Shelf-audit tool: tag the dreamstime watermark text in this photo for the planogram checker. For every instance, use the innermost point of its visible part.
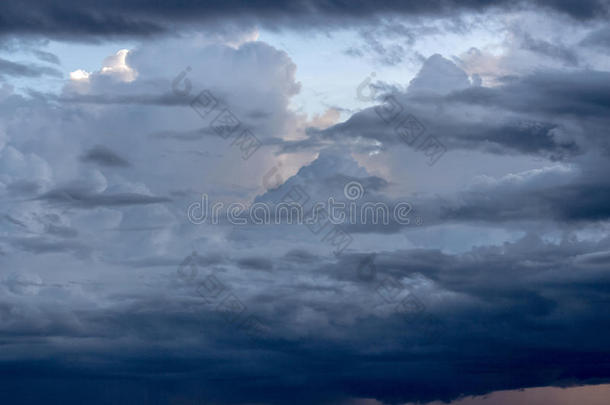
(408, 128)
(350, 212)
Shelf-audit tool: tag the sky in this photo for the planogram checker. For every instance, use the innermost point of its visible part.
(312, 202)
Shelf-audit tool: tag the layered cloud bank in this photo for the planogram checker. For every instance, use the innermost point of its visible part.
(142, 18)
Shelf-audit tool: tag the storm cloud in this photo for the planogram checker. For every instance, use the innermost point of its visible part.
(137, 139)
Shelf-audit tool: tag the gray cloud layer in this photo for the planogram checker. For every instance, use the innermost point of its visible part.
(69, 19)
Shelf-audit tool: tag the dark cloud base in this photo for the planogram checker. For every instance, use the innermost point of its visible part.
(73, 19)
(508, 325)
(303, 374)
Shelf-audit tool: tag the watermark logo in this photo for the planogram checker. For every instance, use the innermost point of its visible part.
(291, 210)
(353, 190)
(221, 298)
(366, 91)
(366, 270)
(406, 302)
(224, 122)
(406, 126)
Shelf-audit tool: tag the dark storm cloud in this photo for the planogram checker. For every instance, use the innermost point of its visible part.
(597, 259)
(495, 304)
(104, 157)
(391, 42)
(572, 195)
(583, 93)
(579, 99)
(523, 313)
(256, 263)
(581, 202)
(599, 38)
(40, 245)
(578, 202)
(388, 55)
(24, 187)
(193, 135)
(80, 198)
(535, 114)
(61, 231)
(502, 136)
(300, 255)
(524, 137)
(161, 99)
(75, 19)
(14, 221)
(556, 51)
(15, 69)
(581, 10)
(202, 261)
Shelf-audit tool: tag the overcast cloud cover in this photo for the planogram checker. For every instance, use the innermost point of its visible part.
(484, 124)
